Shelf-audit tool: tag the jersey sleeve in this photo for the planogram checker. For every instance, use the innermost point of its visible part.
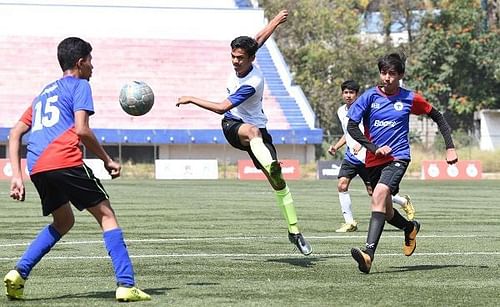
(27, 116)
(242, 93)
(83, 97)
(357, 109)
(420, 105)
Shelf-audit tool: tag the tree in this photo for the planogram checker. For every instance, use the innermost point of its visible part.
(453, 58)
(321, 44)
(397, 13)
(493, 10)
(456, 64)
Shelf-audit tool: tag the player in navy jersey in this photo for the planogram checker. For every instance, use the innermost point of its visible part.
(385, 113)
(58, 120)
(354, 164)
(244, 121)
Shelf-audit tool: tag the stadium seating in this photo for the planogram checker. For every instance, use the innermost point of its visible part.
(171, 67)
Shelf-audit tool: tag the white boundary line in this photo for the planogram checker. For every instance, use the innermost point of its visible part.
(202, 239)
(249, 255)
(241, 255)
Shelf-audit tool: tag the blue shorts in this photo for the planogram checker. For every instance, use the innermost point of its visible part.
(77, 185)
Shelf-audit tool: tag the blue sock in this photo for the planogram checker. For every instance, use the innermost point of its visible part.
(42, 244)
(117, 250)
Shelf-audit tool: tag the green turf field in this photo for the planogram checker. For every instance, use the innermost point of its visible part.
(223, 243)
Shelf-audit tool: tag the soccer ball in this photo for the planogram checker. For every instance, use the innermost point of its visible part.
(136, 98)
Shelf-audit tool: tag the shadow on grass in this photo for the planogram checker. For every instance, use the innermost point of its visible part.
(393, 229)
(305, 262)
(202, 283)
(97, 294)
(395, 269)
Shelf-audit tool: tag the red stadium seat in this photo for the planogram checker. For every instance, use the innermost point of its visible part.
(171, 67)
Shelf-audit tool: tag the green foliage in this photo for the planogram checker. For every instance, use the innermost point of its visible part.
(452, 60)
(325, 155)
(461, 139)
(322, 46)
(456, 64)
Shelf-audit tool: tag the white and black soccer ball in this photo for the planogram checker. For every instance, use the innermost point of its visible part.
(136, 98)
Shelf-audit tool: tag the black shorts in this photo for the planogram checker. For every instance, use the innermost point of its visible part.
(230, 128)
(390, 174)
(350, 170)
(77, 185)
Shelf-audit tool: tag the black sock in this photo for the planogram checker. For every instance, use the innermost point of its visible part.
(400, 222)
(375, 229)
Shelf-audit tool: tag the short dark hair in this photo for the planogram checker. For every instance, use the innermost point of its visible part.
(394, 61)
(246, 43)
(70, 50)
(350, 85)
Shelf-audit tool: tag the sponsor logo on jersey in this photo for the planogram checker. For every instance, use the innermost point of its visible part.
(384, 123)
(398, 106)
(375, 105)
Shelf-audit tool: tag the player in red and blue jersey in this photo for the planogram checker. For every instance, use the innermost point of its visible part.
(354, 163)
(385, 113)
(58, 120)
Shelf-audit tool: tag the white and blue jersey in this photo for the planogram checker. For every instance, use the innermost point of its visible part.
(246, 95)
(387, 121)
(358, 158)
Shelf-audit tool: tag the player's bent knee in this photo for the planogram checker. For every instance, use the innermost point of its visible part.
(254, 132)
(343, 188)
(63, 219)
(103, 212)
(63, 227)
(343, 185)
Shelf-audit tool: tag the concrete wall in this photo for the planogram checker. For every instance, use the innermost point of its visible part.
(224, 152)
(489, 129)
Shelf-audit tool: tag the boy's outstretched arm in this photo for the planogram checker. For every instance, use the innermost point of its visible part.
(268, 30)
(216, 107)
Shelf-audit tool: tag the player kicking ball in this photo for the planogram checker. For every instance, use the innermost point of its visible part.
(244, 122)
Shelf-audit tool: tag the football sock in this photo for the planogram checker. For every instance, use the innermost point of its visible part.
(375, 229)
(400, 222)
(346, 206)
(285, 202)
(396, 199)
(117, 250)
(40, 246)
(261, 152)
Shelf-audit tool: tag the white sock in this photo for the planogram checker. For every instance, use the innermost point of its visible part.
(261, 152)
(346, 206)
(396, 199)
